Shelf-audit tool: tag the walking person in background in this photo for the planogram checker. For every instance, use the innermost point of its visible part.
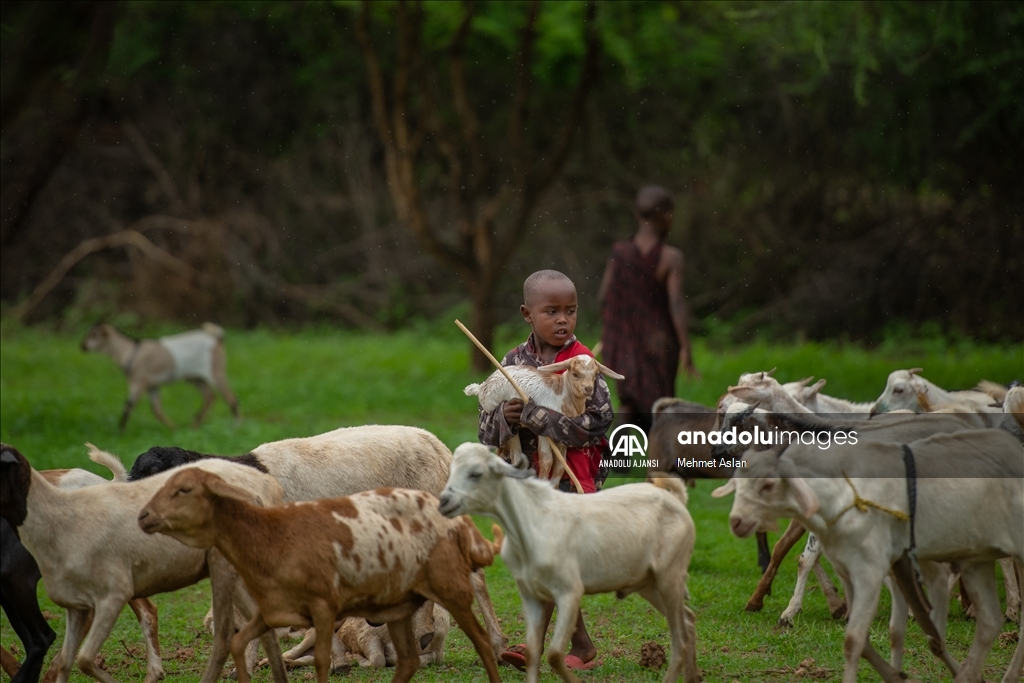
(645, 333)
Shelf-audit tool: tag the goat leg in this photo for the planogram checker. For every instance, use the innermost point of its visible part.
(794, 532)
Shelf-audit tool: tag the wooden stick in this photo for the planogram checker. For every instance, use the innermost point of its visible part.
(522, 395)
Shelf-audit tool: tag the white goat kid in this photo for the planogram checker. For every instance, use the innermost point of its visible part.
(636, 538)
(567, 393)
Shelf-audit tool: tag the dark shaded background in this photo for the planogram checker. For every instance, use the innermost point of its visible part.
(840, 169)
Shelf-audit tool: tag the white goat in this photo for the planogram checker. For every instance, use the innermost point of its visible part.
(197, 356)
(567, 393)
(907, 390)
(93, 556)
(973, 520)
(144, 608)
(636, 538)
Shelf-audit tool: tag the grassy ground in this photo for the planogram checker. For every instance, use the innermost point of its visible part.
(53, 398)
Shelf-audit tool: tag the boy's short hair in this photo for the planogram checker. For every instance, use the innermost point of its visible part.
(652, 201)
(533, 281)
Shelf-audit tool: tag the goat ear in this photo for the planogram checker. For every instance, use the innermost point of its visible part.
(922, 399)
(499, 466)
(745, 394)
(803, 495)
(221, 488)
(608, 372)
(9, 455)
(725, 489)
(815, 388)
(805, 381)
(555, 367)
(914, 371)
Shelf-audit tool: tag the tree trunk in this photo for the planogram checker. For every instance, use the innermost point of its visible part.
(481, 324)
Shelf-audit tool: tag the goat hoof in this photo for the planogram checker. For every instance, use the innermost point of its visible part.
(839, 612)
(754, 606)
(785, 622)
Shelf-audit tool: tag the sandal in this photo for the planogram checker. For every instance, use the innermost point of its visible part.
(577, 664)
(515, 656)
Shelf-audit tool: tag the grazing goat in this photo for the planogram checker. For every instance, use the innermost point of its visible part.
(342, 462)
(668, 456)
(564, 386)
(907, 390)
(969, 491)
(636, 538)
(197, 356)
(93, 556)
(378, 555)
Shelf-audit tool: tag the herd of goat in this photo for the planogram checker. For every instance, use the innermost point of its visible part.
(360, 535)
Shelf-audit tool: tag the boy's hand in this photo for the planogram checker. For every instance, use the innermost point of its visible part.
(513, 411)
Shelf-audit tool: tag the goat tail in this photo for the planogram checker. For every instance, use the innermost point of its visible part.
(108, 460)
(477, 550)
(672, 484)
(472, 389)
(993, 389)
(214, 330)
(499, 538)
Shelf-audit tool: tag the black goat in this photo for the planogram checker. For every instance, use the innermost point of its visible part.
(162, 458)
(19, 575)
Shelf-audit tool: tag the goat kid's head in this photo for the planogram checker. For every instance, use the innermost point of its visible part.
(904, 390)
(15, 479)
(581, 373)
(183, 508)
(474, 480)
(766, 490)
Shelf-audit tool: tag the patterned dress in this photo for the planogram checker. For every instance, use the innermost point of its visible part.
(639, 339)
(585, 435)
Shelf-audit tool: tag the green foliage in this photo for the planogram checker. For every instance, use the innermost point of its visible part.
(54, 397)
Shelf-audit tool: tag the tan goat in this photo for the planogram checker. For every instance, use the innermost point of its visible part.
(378, 555)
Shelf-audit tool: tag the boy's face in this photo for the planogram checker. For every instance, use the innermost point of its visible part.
(552, 312)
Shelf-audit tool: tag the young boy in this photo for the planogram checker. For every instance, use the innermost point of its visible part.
(549, 308)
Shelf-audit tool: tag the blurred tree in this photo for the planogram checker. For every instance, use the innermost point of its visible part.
(52, 66)
(495, 161)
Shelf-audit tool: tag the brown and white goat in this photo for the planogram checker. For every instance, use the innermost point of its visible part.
(378, 555)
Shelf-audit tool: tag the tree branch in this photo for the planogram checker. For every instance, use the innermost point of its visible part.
(152, 162)
(123, 238)
(516, 132)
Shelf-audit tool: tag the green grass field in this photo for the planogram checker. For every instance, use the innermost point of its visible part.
(54, 398)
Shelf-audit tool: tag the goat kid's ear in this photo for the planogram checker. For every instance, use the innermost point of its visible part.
(815, 388)
(555, 367)
(914, 371)
(608, 372)
(725, 489)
